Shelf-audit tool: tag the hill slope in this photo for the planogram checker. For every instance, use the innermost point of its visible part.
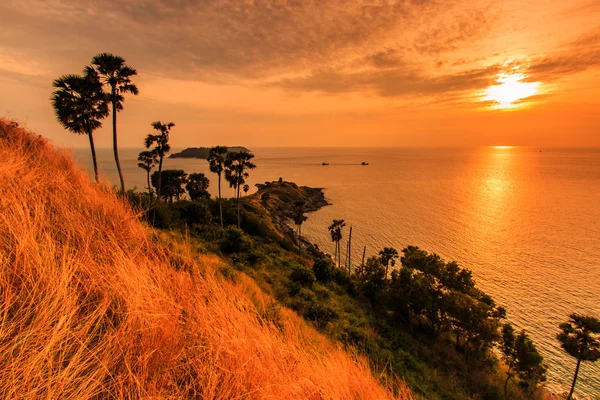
(97, 305)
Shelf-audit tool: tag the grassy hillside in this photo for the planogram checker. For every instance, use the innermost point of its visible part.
(97, 305)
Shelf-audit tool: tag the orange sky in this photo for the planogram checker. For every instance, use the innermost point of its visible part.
(319, 73)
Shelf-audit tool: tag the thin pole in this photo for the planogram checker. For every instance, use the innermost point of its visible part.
(362, 264)
(349, 256)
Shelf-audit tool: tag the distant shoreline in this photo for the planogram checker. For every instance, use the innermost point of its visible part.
(202, 152)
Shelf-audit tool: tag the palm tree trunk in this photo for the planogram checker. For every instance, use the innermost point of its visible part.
(506, 382)
(220, 203)
(148, 179)
(350, 252)
(362, 264)
(574, 379)
(238, 205)
(115, 147)
(91, 137)
(158, 189)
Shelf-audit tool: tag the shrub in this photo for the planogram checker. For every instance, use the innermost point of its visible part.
(324, 270)
(235, 241)
(193, 212)
(303, 276)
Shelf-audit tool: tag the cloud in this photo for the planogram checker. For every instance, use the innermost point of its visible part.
(388, 48)
(240, 38)
(576, 56)
(391, 82)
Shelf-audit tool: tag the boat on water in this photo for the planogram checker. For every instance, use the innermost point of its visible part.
(364, 163)
(325, 163)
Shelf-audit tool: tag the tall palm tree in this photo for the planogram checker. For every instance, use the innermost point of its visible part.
(580, 338)
(117, 77)
(80, 105)
(236, 171)
(299, 216)
(335, 229)
(147, 161)
(161, 146)
(388, 257)
(216, 161)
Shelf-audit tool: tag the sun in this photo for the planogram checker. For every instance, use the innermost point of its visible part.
(510, 90)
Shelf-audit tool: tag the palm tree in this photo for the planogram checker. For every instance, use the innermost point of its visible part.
(299, 216)
(161, 145)
(80, 105)
(147, 161)
(388, 257)
(335, 229)
(580, 339)
(236, 171)
(216, 162)
(246, 189)
(117, 77)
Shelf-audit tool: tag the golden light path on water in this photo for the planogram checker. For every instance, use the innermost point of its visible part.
(510, 90)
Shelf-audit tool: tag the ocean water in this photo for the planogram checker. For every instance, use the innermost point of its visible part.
(526, 221)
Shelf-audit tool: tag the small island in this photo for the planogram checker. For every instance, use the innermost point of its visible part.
(202, 152)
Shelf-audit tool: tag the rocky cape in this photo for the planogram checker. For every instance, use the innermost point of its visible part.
(202, 152)
(282, 199)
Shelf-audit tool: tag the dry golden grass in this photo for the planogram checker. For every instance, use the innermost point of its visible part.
(94, 306)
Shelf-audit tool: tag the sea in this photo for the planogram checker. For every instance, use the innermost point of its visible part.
(524, 220)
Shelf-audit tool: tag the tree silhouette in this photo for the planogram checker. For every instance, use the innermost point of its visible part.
(388, 257)
(522, 358)
(147, 161)
(80, 105)
(299, 216)
(246, 188)
(580, 339)
(172, 181)
(216, 162)
(197, 186)
(335, 230)
(114, 74)
(236, 171)
(161, 145)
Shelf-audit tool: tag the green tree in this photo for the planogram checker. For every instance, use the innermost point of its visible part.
(236, 171)
(216, 161)
(197, 186)
(529, 365)
(580, 339)
(147, 160)
(509, 352)
(116, 76)
(388, 257)
(372, 279)
(171, 183)
(161, 145)
(80, 105)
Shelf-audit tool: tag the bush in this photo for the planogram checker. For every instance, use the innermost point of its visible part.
(324, 270)
(161, 216)
(235, 241)
(302, 276)
(193, 212)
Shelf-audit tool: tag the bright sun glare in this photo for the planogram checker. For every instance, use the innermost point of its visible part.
(510, 90)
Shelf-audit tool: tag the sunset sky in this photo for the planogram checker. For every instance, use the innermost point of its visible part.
(318, 73)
